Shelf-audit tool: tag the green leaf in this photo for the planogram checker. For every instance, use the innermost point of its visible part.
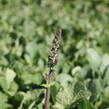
(13, 89)
(58, 106)
(48, 85)
(78, 87)
(96, 88)
(94, 58)
(3, 101)
(85, 104)
(3, 83)
(105, 95)
(69, 94)
(65, 96)
(76, 70)
(64, 79)
(10, 75)
(31, 50)
(82, 103)
(106, 79)
(54, 92)
(105, 62)
(32, 77)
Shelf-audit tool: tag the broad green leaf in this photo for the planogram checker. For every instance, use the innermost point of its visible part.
(105, 95)
(106, 79)
(82, 103)
(69, 95)
(96, 88)
(3, 61)
(65, 96)
(54, 91)
(78, 87)
(94, 58)
(3, 83)
(66, 68)
(58, 106)
(105, 62)
(64, 79)
(85, 104)
(13, 88)
(32, 77)
(76, 70)
(31, 50)
(10, 75)
(3, 101)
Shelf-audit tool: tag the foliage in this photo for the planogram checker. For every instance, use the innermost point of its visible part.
(27, 28)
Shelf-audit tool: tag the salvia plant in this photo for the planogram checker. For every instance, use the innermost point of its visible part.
(52, 61)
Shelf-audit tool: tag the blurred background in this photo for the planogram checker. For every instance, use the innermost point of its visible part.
(27, 28)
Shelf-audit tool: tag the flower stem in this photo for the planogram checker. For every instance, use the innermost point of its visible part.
(47, 94)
